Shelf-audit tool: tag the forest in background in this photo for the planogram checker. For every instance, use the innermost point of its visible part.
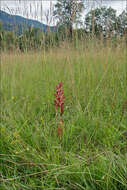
(102, 23)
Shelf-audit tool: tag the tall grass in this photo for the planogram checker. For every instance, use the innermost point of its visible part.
(92, 151)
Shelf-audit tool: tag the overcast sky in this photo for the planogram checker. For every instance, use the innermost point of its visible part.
(38, 9)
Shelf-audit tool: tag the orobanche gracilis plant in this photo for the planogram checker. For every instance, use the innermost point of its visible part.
(59, 104)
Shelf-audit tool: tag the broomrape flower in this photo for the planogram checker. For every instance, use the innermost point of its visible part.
(59, 103)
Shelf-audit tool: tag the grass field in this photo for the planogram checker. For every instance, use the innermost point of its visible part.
(91, 153)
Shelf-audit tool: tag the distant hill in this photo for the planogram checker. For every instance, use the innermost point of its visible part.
(18, 23)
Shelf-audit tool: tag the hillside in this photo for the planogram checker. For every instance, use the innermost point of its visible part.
(18, 23)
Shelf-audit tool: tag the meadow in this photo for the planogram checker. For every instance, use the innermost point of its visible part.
(91, 151)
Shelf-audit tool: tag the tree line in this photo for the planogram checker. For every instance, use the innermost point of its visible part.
(70, 25)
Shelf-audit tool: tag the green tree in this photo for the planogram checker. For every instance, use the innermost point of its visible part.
(68, 13)
(105, 20)
(122, 23)
(1, 36)
(10, 40)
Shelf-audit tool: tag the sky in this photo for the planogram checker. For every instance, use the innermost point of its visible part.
(41, 10)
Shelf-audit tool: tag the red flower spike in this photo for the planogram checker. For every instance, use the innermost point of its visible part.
(59, 103)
